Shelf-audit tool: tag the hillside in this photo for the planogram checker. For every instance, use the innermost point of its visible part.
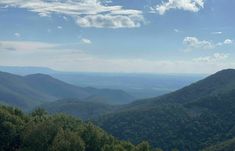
(82, 109)
(42, 132)
(217, 83)
(26, 70)
(192, 118)
(29, 91)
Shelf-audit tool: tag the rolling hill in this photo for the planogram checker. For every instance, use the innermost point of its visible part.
(29, 91)
(191, 118)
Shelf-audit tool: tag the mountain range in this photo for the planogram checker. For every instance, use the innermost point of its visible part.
(141, 85)
(27, 92)
(200, 116)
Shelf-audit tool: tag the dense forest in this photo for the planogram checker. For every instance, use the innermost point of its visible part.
(202, 115)
(42, 132)
(228, 145)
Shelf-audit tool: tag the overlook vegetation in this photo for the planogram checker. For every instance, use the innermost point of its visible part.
(42, 132)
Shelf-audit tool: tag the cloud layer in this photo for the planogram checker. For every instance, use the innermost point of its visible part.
(86, 41)
(194, 43)
(187, 5)
(87, 13)
(214, 58)
(24, 53)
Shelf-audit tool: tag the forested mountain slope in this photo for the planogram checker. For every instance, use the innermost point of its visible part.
(217, 83)
(189, 119)
(228, 145)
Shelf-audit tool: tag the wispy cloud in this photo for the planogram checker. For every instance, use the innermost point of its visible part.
(194, 43)
(86, 41)
(110, 21)
(214, 58)
(187, 5)
(25, 46)
(59, 27)
(17, 35)
(217, 33)
(87, 13)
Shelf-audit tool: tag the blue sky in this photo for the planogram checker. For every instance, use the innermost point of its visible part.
(156, 36)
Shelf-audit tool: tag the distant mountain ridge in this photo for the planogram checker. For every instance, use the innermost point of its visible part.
(26, 70)
(139, 85)
(215, 84)
(29, 91)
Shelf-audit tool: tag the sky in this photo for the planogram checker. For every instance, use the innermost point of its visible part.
(130, 36)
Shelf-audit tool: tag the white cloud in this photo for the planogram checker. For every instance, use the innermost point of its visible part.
(109, 21)
(24, 46)
(17, 35)
(195, 43)
(214, 58)
(187, 5)
(101, 14)
(228, 41)
(86, 41)
(59, 27)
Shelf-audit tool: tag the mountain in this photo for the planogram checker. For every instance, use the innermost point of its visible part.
(217, 83)
(29, 91)
(190, 119)
(82, 109)
(42, 132)
(105, 95)
(26, 70)
(141, 85)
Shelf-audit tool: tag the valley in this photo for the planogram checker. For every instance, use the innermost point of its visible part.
(192, 118)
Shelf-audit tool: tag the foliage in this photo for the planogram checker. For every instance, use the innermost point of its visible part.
(42, 132)
(187, 127)
(228, 145)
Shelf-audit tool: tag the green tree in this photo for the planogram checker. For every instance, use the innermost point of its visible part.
(144, 146)
(67, 141)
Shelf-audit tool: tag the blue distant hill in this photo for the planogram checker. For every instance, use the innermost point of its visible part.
(136, 84)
